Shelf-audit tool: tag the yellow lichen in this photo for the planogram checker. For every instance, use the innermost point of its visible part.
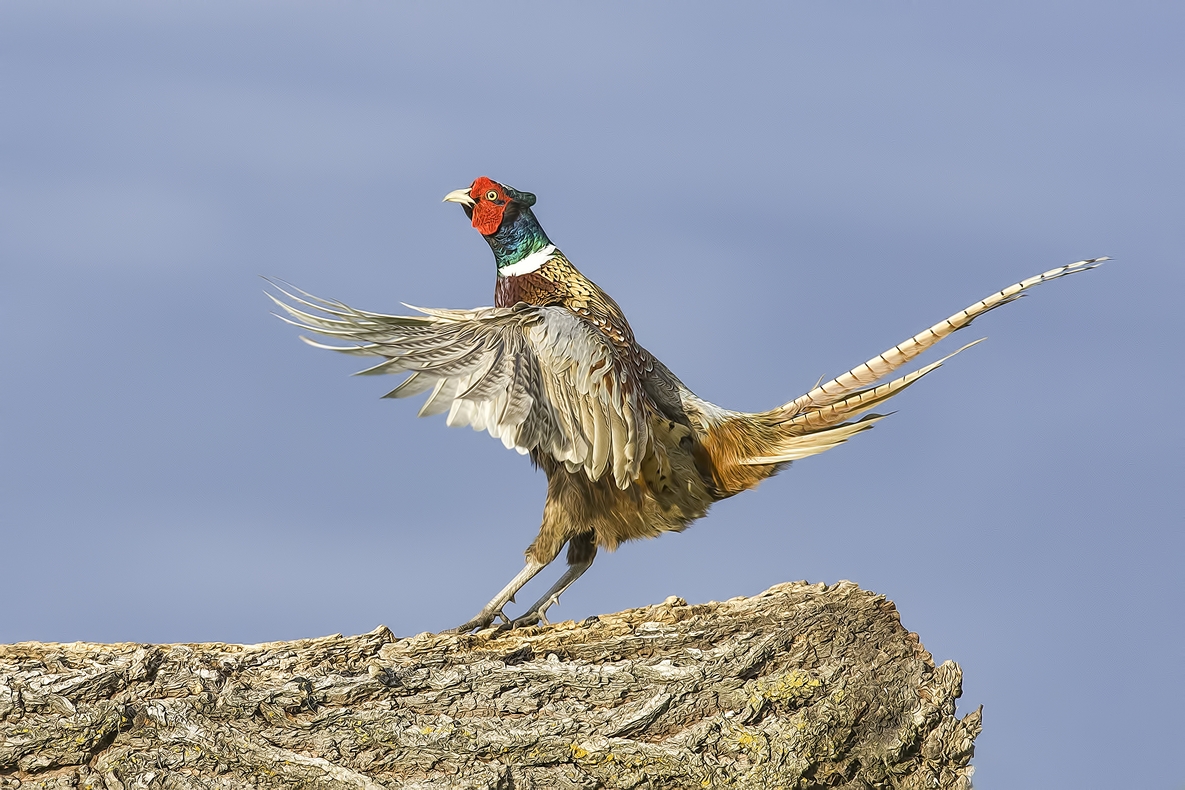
(795, 684)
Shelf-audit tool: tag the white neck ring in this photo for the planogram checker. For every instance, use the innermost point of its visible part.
(528, 264)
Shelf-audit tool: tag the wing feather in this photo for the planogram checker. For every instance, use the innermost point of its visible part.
(538, 378)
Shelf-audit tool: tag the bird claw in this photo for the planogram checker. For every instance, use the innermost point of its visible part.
(483, 621)
(537, 616)
(527, 620)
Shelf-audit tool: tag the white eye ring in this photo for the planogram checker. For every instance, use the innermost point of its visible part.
(491, 195)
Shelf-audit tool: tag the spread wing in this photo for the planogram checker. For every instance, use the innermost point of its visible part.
(538, 378)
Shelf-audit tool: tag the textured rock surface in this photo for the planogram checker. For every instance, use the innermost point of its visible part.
(802, 686)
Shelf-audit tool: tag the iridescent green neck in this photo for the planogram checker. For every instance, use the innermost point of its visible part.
(518, 236)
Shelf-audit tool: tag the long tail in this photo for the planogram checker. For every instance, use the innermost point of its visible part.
(817, 421)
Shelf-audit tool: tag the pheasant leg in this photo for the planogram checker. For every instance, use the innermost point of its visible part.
(538, 611)
(493, 609)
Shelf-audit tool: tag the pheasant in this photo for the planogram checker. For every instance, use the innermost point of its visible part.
(554, 371)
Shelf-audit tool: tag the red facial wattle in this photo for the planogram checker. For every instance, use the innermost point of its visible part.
(487, 213)
(487, 217)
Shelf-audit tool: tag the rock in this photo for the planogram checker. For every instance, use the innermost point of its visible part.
(801, 686)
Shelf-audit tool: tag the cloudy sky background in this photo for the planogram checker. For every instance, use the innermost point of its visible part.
(772, 192)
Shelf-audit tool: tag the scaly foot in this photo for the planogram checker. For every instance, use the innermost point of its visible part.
(493, 609)
(483, 620)
(537, 614)
(527, 620)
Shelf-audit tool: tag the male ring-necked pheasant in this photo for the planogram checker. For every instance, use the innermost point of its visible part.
(554, 371)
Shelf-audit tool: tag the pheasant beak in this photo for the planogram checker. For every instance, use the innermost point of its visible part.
(460, 196)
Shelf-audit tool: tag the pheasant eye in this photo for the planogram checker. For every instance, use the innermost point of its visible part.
(491, 195)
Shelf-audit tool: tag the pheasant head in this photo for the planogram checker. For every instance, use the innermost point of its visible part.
(503, 216)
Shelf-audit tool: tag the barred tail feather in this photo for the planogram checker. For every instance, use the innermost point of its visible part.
(883, 364)
(860, 401)
(821, 429)
(820, 419)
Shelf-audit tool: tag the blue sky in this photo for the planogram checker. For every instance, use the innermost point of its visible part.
(772, 192)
